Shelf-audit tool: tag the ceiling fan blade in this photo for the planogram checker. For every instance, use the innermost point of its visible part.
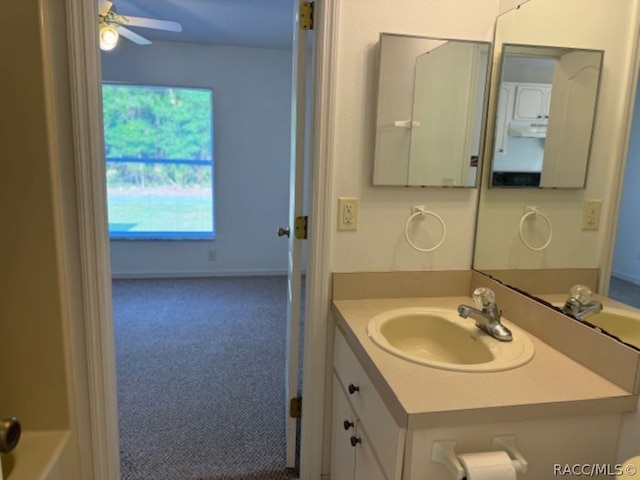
(105, 8)
(150, 23)
(134, 37)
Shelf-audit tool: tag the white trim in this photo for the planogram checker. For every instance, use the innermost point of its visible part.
(635, 279)
(74, 377)
(190, 274)
(73, 351)
(318, 287)
(85, 81)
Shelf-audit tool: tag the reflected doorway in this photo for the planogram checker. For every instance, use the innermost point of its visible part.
(625, 270)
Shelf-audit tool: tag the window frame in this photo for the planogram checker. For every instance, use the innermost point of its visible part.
(164, 234)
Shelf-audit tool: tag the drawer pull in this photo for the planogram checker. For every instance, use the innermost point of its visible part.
(353, 389)
(347, 424)
(355, 440)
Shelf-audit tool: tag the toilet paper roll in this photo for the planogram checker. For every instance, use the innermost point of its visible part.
(488, 466)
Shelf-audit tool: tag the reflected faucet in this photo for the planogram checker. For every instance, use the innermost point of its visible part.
(579, 304)
(487, 315)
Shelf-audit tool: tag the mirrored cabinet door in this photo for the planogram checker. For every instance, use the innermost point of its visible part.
(431, 101)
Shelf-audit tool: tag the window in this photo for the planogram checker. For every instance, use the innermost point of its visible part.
(159, 161)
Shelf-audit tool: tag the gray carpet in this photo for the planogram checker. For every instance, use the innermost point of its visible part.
(200, 373)
(625, 292)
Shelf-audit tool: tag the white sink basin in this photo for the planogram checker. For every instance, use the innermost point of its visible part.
(440, 338)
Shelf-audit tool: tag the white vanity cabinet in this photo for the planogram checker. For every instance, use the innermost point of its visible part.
(367, 443)
(554, 410)
(351, 453)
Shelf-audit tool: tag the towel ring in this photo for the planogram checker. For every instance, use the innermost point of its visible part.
(535, 212)
(423, 212)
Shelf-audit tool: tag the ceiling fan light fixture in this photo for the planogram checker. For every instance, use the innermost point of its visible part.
(108, 37)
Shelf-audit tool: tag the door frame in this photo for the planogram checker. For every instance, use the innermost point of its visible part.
(85, 95)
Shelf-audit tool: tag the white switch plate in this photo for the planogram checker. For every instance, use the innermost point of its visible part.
(591, 214)
(347, 213)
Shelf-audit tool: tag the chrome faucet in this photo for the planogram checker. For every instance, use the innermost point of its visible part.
(579, 304)
(487, 315)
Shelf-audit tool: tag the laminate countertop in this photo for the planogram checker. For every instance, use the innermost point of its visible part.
(550, 385)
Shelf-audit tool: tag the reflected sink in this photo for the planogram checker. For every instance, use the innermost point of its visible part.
(440, 338)
(624, 324)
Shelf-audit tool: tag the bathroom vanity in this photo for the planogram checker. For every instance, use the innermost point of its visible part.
(389, 412)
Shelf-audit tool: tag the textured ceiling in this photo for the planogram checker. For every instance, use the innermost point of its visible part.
(250, 23)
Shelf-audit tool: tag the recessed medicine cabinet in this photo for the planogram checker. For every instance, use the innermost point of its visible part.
(432, 95)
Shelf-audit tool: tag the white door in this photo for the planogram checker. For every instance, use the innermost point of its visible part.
(296, 191)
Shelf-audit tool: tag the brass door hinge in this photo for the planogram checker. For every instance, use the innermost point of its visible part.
(301, 227)
(306, 15)
(295, 407)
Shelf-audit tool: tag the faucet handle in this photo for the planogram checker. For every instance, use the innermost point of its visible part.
(483, 297)
(581, 293)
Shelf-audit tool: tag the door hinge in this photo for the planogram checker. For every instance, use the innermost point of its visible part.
(301, 227)
(306, 15)
(295, 407)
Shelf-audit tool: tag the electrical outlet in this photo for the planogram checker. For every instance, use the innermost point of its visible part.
(347, 213)
(212, 255)
(591, 214)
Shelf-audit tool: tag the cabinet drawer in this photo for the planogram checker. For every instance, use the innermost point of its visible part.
(343, 427)
(352, 457)
(387, 439)
(366, 465)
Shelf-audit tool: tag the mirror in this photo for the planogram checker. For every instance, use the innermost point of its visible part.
(430, 114)
(544, 119)
(573, 254)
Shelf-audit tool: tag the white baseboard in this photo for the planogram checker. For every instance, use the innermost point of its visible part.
(190, 274)
(629, 278)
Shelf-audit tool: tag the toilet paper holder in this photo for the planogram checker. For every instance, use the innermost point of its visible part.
(443, 451)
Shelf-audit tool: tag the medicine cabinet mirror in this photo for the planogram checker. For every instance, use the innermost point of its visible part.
(544, 118)
(432, 95)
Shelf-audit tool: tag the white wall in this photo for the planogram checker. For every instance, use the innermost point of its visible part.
(626, 258)
(379, 244)
(251, 116)
(549, 22)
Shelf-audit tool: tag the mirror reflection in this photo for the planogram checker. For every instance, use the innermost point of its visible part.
(545, 115)
(572, 255)
(430, 113)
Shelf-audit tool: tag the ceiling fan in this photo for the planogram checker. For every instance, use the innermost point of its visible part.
(112, 26)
